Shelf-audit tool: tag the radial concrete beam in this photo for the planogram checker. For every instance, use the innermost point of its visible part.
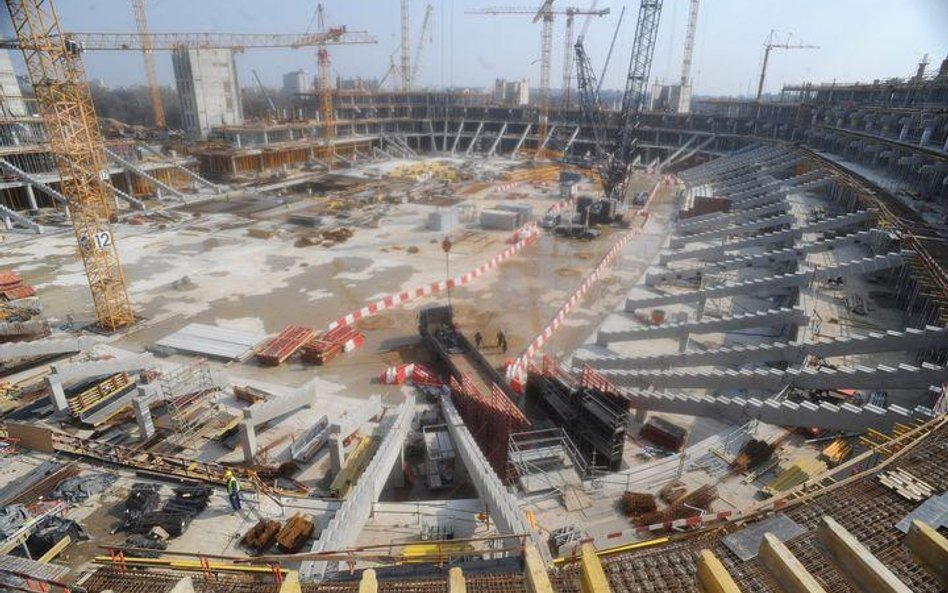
(805, 414)
(866, 265)
(907, 340)
(659, 275)
(718, 251)
(739, 227)
(689, 227)
(768, 318)
(858, 377)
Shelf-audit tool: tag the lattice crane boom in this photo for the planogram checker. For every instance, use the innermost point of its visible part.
(770, 45)
(421, 44)
(154, 89)
(640, 65)
(62, 92)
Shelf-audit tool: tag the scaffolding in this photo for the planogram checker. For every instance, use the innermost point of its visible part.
(547, 459)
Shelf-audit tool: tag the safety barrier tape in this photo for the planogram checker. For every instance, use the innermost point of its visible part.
(520, 239)
(517, 368)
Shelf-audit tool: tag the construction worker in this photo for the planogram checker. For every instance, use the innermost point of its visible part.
(477, 340)
(502, 341)
(233, 489)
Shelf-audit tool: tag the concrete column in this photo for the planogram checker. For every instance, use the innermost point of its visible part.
(699, 313)
(785, 569)
(926, 136)
(641, 415)
(7, 223)
(56, 393)
(930, 548)
(31, 196)
(904, 133)
(456, 582)
(945, 147)
(855, 562)
(146, 428)
(248, 439)
(713, 577)
(337, 454)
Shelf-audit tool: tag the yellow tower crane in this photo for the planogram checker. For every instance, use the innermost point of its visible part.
(55, 68)
(147, 53)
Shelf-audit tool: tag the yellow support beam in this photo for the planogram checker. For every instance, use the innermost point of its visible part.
(368, 584)
(456, 582)
(56, 550)
(593, 576)
(712, 576)
(930, 548)
(191, 565)
(291, 583)
(856, 562)
(538, 580)
(785, 569)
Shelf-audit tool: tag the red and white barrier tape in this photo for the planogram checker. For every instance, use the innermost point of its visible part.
(709, 519)
(517, 369)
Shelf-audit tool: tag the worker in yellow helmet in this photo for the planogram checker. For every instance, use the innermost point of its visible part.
(233, 489)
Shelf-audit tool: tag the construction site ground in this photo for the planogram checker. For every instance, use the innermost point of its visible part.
(237, 262)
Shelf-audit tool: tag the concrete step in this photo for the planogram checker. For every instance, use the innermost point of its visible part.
(47, 347)
(713, 252)
(907, 340)
(903, 376)
(866, 265)
(769, 318)
(22, 220)
(658, 275)
(845, 417)
(695, 225)
(130, 166)
(739, 228)
(780, 185)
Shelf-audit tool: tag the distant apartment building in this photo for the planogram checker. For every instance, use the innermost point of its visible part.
(295, 82)
(512, 93)
(207, 88)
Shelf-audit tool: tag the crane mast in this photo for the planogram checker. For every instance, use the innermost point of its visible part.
(406, 48)
(56, 71)
(770, 45)
(147, 53)
(640, 64)
(421, 44)
(325, 90)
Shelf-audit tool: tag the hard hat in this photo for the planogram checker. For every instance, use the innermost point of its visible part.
(228, 474)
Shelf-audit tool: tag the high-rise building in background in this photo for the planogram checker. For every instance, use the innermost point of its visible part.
(207, 88)
(295, 82)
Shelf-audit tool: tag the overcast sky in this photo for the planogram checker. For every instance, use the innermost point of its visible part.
(859, 40)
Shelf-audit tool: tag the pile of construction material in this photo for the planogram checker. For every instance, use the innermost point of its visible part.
(142, 515)
(290, 538)
(636, 504)
(753, 453)
(664, 434)
(686, 506)
(13, 288)
(19, 311)
(793, 475)
(284, 345)
(324, 347)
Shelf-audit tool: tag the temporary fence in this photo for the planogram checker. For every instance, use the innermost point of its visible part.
(516, 370)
